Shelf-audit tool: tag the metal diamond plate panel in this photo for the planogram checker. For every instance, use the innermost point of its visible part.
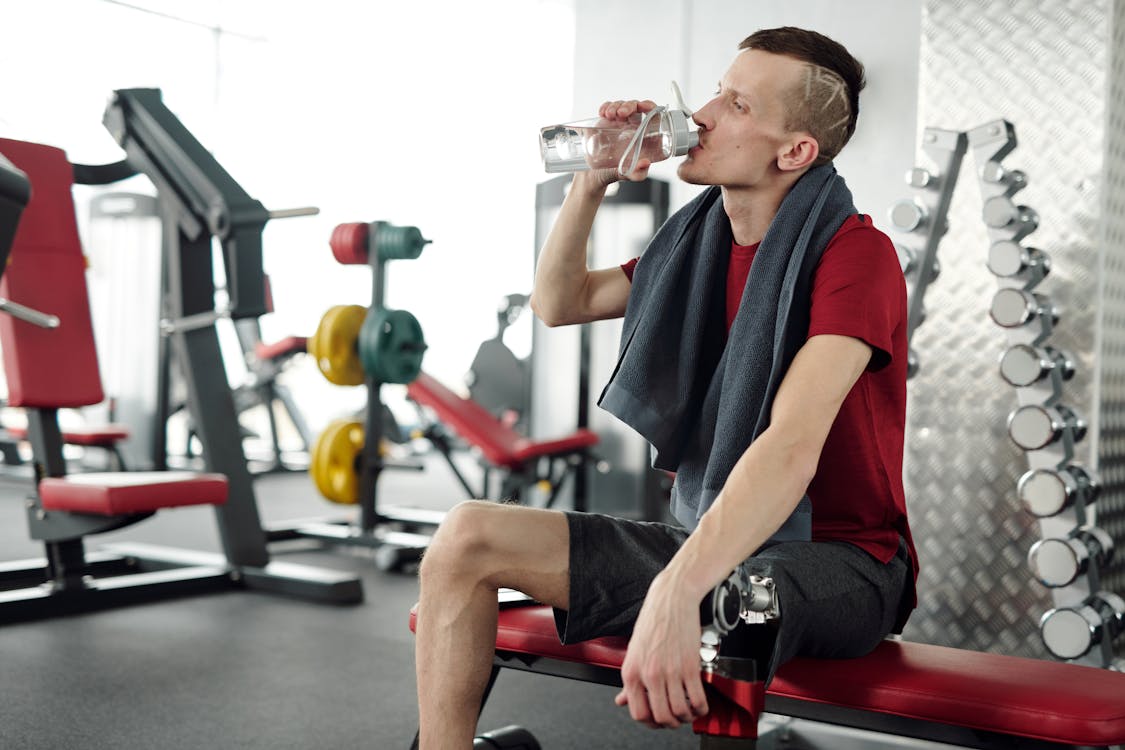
(1045, 66)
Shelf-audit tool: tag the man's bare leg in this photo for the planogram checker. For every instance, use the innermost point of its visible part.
(479, 548)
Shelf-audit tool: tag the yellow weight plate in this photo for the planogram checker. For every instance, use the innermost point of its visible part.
(334, 456)
(334, 345)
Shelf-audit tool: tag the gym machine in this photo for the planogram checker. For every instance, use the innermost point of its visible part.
(200, 201)
(356, 345)
(51, 363)
(497, 379)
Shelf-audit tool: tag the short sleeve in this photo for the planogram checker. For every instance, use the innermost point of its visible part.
(859, 289)
(629, 267)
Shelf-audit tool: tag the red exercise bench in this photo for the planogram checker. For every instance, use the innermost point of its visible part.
(519, 457)
(964, 698)
(50, 368)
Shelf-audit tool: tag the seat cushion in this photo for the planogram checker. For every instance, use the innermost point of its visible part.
(286, 347)
(115, 493)
(102, 436)
(1053, 701)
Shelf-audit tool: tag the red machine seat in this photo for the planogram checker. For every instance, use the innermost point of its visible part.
(286, 347)
(1052, 701)
(117, 493)
(501, 445)
(101, 436)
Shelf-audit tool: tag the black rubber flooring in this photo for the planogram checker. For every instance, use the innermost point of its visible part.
(253, 670)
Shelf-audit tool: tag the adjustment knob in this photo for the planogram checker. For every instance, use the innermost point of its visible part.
(1012, 308)
(908, 215)
(1034, 426)
(1008, 259)
(1070, 632)
(1048, 492)
(1023, 364)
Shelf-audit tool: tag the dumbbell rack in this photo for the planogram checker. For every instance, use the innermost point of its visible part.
(1055, 489)
(397, 535)
(1058, 491)
(925, 214)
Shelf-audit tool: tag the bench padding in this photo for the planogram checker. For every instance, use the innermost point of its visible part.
(500, 445)
(118, 493)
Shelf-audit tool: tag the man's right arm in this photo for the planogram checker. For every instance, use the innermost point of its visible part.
(566, 291)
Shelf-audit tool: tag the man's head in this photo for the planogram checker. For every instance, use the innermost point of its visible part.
(788, 102)
(825, 99)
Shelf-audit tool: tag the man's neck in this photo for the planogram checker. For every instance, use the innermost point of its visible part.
(751, 210)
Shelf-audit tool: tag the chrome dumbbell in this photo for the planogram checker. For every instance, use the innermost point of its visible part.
(1059, 562)
(736, 600)
(1023, 365)
(1048, 492)
(909, 215)
(1013, 308)
(1008, 259)
(994, 173)
(1034, 426)
(1001, 213)
(1070, 632)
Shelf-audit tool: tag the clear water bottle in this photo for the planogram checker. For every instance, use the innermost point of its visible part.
(600, 143)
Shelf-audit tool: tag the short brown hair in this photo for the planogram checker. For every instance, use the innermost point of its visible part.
(826, 102)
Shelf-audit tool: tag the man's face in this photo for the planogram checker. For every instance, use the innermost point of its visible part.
(742, 129)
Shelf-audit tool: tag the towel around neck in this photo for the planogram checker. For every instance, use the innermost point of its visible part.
(699, 396)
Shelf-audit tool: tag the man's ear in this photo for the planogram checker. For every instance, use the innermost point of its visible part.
(799, 153)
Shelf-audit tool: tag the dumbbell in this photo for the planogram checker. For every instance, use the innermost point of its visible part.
(1034, 426)
(1071, 632)
(1014, 308)
(1023, 365)
(1048, 492)
(1009, 259)
(1059, 562)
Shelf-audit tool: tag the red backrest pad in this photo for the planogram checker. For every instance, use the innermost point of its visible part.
(48, 368)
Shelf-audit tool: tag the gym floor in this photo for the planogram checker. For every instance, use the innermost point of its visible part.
(254, 670)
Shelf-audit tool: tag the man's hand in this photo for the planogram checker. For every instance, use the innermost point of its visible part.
(617, 113)
(661, 669)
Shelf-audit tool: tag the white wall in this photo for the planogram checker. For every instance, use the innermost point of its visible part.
(422, 113)
(630, 49)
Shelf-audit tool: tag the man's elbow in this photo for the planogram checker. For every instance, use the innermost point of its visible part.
(549, 314)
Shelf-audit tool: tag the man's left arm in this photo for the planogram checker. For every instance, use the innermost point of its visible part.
(662, 686)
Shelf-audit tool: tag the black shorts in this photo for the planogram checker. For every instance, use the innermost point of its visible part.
(836, 600)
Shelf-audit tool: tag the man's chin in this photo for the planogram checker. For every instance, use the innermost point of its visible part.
(688, 174)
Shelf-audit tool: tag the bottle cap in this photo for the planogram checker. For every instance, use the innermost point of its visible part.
(683, 139)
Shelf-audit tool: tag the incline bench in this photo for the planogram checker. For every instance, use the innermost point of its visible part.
(960, 697)
(500, 446)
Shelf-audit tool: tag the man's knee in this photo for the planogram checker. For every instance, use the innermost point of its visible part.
(464, 534)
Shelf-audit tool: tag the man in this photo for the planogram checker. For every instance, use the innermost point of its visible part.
(775, 390)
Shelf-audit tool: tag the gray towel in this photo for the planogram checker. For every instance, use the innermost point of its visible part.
(698, 396)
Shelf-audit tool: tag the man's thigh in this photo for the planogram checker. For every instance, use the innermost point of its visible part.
(612, 563)
(836, 600)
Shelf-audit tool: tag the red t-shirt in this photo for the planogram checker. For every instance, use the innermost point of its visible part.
(858, 291)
